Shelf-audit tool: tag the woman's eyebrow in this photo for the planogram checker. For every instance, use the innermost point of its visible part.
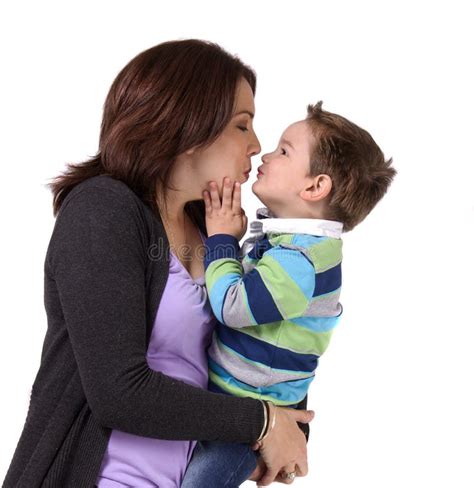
(245, 112)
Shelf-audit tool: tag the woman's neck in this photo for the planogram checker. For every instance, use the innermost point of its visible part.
(174, 210)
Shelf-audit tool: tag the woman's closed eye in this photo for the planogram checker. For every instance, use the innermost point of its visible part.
(243, 129)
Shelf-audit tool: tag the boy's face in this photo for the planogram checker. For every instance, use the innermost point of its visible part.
(284, 173)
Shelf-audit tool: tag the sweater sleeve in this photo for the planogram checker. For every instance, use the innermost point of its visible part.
(279, 287)
(98, 261)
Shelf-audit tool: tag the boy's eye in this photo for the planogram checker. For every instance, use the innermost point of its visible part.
(283, 151)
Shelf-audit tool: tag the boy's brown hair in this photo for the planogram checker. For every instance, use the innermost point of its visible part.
(357, 167)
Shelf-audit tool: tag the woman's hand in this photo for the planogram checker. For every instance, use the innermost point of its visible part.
(284, 449)
(227, 217)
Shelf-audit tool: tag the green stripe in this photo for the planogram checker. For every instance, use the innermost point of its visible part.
(326, 254)
(221, 267)
(287, 295)
(302, 340)
(267, 332)
(277, 239)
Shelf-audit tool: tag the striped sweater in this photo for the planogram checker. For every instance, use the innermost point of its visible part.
(276, 306)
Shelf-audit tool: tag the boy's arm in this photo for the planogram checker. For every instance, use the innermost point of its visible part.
(279, 287)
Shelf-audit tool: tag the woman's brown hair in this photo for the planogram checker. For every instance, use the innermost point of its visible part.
(168, 99)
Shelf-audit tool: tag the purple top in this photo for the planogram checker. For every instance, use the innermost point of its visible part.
(179, 340)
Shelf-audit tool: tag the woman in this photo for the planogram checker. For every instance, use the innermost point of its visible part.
(120, 393)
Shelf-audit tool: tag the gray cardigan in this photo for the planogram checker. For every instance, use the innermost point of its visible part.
(104, 274)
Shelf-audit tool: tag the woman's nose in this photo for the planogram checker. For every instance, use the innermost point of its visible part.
(254, 146)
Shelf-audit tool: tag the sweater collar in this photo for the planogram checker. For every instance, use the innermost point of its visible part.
(268, 222)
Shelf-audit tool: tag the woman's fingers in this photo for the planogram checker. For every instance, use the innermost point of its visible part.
(258, 471)
(301, 472)
(302, 468)
(268, 477)
(285, 446)
(304, 416)
(288, 469)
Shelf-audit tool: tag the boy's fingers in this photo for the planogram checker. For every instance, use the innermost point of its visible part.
(207, 201)
(226, 193)
(236, 204)
(215, 200)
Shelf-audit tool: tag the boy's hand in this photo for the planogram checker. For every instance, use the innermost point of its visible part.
(227, 217)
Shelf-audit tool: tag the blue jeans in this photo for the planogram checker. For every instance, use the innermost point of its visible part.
(219, 464)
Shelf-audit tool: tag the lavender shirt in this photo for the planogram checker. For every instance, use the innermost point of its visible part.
(181, 334)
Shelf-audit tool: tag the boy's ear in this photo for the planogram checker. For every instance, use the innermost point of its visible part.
(318, 188)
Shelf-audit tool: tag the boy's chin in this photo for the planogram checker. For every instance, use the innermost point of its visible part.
(255, 187)
(258, 193)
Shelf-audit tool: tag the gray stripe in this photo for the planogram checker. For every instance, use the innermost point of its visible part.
(234, 311)
(248, 265)
(325, 306)
(255, 374)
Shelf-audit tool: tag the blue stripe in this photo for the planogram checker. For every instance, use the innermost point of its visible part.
(317, 324)
(297, 266)
(307, 240)
(260, 300)
(261, 246)
(262, 352)
(328, 281)
(220, 246)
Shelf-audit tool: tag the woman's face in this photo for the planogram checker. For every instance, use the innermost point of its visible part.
(230, 154)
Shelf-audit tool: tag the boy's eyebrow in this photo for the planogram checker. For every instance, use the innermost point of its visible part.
(252, 115)
(288, 143)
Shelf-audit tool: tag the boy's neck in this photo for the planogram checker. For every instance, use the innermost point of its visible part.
(286, 213)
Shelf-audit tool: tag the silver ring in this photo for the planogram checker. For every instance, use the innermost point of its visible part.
(290, 476)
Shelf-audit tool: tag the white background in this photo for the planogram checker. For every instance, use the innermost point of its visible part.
(393, 393)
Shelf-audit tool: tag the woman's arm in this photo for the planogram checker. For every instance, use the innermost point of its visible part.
(97, 259)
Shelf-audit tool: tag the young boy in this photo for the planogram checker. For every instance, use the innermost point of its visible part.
(277, 298)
